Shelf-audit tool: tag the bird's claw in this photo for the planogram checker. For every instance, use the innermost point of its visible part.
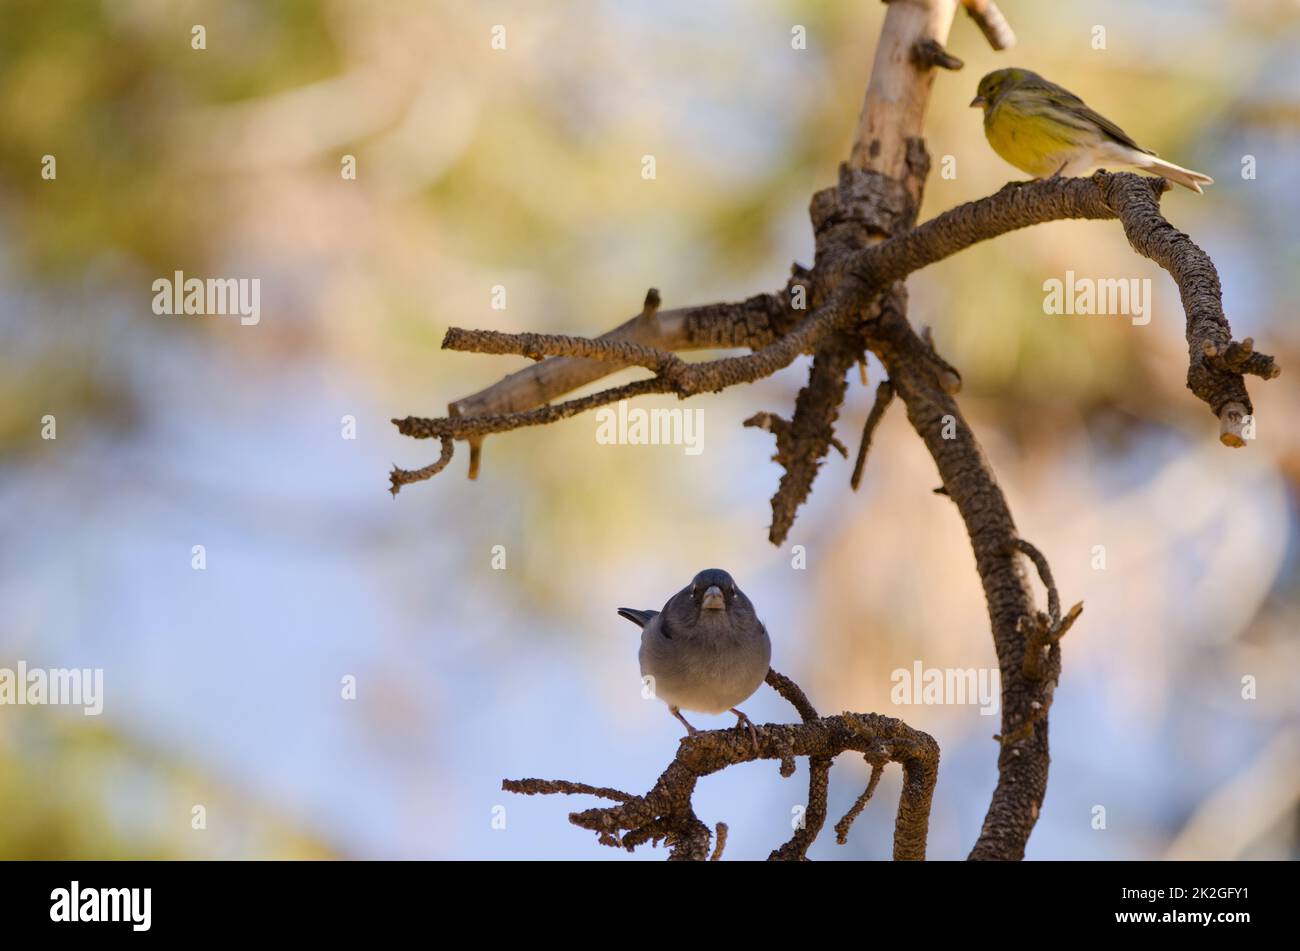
(749, 724)
(690, 730)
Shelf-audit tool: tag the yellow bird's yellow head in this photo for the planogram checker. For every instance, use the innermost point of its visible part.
(998, 83)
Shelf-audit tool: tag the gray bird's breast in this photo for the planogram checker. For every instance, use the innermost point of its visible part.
(710, 671)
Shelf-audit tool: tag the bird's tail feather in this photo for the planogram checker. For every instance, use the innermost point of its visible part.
(639, 618)
(1175, 173)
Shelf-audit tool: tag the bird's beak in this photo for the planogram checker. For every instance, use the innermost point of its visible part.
(713, 599)
(978, 101)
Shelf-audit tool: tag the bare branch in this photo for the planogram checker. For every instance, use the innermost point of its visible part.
(968, 481)
(1045, 573)
(783, 431)
(842, 827)
(814, 814)
(1217, 364)
(683, 378)
(991, 22)
(537, 787)
(400, 477)
(884, 396)
(919, 756)
(1042, 633)
(538, 346)
(793, 693)
(752, 323)
(721, 840)
(461, 427)
(812, 430)
(894, 106)
(1232, 425)
(1215, 373)
(665, 813)
(858, 303)
(819, 775)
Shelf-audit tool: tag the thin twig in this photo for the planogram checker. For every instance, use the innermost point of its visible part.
(461, 427)
(720, 837)
(542, 787)
(884, 396)
(400, 477)
(1044, 573)
(842, 827)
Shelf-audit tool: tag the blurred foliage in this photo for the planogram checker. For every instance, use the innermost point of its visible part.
(73, 788)
(98, 85)
(478, 167)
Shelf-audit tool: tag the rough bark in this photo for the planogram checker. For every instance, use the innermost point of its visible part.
(866, 246)
(665, 813)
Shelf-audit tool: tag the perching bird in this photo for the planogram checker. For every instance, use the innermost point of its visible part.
(1045, 130)
(707, 650)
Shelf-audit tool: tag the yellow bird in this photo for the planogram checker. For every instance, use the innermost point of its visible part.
(1047, 131)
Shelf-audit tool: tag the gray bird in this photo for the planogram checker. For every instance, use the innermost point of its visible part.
(706, 651)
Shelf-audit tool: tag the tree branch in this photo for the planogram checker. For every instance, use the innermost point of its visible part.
(460, 427)
(884, 396)
(1216, 366)
(991, 22)
(538, 346)
(858, 304)
(400, 477)
(666, 814)
(1217, 363)
(752, 323)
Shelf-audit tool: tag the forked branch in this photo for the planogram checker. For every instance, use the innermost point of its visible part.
(1215, 373)
(850, 302)
(666, 814)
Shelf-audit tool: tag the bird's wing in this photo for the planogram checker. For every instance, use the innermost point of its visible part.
(656, 624)
(637, 617)
(1112, 130)
(1058, 96)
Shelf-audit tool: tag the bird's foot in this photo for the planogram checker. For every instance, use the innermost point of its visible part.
(690, 730)
(741, 718)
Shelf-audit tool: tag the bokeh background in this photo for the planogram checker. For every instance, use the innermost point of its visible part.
(478, 167)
